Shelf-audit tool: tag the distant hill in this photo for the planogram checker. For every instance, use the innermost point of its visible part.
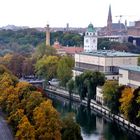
(13, 27)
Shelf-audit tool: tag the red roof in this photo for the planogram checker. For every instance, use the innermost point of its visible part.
(73, 50)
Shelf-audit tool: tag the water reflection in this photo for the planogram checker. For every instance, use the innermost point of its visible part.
(93, 126)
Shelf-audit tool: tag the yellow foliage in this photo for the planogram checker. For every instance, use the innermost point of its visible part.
(125, 100)
(25, 130)
(47, 122)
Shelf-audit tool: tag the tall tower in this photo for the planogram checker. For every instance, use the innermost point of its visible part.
(109, 21)
(90, 39)
(47, 35)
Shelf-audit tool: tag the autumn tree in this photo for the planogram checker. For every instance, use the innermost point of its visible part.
(47, 122)
(34, 100)
(15, 64)
(23, 90)
(15, 117)
(28, 66)
(126, 102)
(25, 130)
(64, 70)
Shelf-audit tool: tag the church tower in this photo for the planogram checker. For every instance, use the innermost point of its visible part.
(90, 39)
(47, 35)
(109, 21)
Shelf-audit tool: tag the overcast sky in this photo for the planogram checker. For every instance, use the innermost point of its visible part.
(78, 13)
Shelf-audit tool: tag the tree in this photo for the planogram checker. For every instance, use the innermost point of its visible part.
(28, 66)
(25, 130)
(126, 102)
(80, 87)
(133, 113)
(47, 122)
(15, 117)
(70, 130)
(64, 70)
(70, 86)
(87, 83)
(34, 100)
(12, 100)
(92, 80)
(3, 70)
(42, 50)
(47, 67)
(112, 94)
(138, 115)
(15, 65)
(139, 61)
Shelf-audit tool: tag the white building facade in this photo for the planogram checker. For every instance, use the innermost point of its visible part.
(106, 61)
(129, 75)
(90, 39)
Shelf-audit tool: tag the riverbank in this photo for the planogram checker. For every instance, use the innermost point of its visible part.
(98, 108)
(5, 132)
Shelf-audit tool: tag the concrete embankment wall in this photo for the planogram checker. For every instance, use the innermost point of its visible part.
(96, 107)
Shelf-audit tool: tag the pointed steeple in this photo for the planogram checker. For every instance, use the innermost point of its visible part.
(109, 21)
(109, 15)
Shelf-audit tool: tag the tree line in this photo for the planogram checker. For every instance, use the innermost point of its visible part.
(32, 115)
(122, 99)
(25, 40)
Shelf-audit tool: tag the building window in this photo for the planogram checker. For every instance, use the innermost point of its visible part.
(120, 75)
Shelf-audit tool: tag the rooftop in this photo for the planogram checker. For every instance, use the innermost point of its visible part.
(110, 53)
(131, 68)
(90, 28)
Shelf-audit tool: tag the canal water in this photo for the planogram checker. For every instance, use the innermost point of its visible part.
(93, 126)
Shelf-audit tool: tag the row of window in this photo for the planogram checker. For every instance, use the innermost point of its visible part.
(90, 46)
(90, 33)
(89, 40)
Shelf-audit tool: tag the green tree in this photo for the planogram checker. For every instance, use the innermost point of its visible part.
(112, 94)
(70, 129)
(87, 83)
(134, 111)
(64, 70)
(80, 86)
(92, 80)
(47, 67)
(70, 86)
(42, 50)
(139, 61)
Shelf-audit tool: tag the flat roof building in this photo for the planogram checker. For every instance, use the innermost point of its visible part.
(129, 75)
(106, 61)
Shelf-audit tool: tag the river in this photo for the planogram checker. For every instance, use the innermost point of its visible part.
(93, 126)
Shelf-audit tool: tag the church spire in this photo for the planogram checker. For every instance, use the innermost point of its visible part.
(109, 14)
(109, 21)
